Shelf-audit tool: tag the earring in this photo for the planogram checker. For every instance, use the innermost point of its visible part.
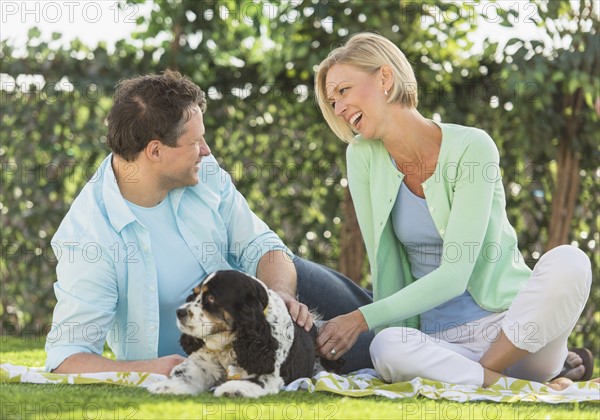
(385, 92)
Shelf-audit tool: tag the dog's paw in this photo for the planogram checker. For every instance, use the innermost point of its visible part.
(241, 389)
(170, 387)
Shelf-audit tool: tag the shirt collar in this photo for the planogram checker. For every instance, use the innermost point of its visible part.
(119, 213)
(117, 210)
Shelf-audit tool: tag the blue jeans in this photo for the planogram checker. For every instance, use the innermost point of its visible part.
(332, 294)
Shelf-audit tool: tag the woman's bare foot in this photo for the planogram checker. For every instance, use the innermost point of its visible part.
(558, 384)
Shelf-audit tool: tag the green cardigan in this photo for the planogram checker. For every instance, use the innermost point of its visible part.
(466, 200)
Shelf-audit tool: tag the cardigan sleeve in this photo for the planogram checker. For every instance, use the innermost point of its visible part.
(470, 212)
(358, 183)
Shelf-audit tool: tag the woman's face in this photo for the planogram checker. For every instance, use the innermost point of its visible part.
(357, 97)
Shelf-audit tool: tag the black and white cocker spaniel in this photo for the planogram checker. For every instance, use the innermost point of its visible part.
(240, 338)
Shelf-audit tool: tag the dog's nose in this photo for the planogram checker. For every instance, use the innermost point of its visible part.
(181, 313)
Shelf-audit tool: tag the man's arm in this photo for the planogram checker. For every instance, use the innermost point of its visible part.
(91, 363)
(246, 232)
(276, 270)
(86, 296)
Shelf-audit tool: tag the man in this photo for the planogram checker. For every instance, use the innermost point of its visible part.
(157, 217)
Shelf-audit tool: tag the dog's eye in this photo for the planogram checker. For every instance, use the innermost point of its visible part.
(210, 298)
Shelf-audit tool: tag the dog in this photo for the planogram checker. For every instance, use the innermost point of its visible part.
(239, 337)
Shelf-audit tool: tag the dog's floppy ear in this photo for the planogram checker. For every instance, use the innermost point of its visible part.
(254, 344)
(190, 344)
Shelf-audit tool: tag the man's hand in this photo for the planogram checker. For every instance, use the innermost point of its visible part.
(298, 311)
(164, 365)
(276, 269)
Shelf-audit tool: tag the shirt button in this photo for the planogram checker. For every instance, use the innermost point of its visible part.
(152, 288)
(431, 209)
(442, 231)
(424, 187)
(152, 328)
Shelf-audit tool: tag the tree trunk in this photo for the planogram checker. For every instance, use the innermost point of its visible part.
(568, 179)
(565, 197)
(352, 252)
(175, 46)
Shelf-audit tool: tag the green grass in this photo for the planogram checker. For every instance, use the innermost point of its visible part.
(120, 402)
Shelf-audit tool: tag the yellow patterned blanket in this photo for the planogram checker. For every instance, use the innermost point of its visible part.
(358, 384)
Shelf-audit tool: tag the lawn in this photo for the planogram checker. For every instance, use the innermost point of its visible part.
(120, 402)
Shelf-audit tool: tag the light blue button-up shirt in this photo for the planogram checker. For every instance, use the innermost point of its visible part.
(107, 281)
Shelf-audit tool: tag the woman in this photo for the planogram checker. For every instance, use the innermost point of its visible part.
(431, 208)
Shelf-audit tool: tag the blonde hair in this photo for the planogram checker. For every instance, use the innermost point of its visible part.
(367, 52)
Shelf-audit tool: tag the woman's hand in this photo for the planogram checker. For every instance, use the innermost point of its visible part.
(339, 334)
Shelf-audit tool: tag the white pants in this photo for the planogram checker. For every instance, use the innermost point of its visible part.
(539, 320)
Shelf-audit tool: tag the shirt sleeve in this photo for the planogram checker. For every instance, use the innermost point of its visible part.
(86, 294)
(249, 238)
(470, 212)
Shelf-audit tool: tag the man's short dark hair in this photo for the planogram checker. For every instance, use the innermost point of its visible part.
(151, 107)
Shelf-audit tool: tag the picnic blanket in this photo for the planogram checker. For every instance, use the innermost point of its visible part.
(358, 384)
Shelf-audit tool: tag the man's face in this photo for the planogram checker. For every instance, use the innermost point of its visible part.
(182, 163)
